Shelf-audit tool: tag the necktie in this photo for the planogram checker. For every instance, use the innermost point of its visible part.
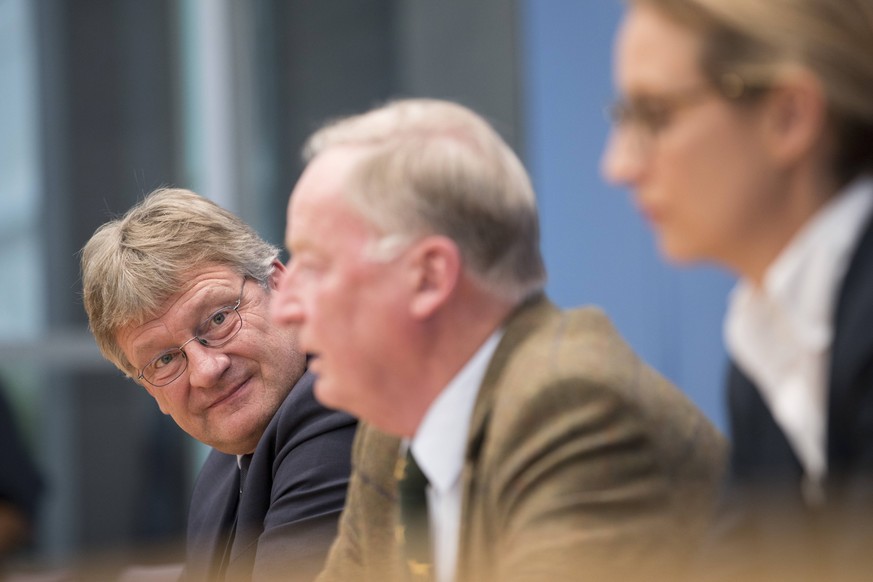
(414, 532)
(244, 462)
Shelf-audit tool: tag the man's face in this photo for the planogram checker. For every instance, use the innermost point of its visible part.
(349, 309)
(228, 394)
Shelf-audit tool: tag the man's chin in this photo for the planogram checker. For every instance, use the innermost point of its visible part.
(326, 395)
(238, 435)
(242, 445)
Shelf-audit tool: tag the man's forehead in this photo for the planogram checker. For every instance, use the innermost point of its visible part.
(330, 171)
(187, 304)
(318, 198)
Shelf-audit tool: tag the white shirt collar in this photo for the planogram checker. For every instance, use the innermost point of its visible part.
(439, 446)
(806, 276)
(803, 280)
(440, 441)
(780, 335)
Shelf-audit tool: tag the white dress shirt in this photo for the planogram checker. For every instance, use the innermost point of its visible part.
(439, 446)
(780, 334)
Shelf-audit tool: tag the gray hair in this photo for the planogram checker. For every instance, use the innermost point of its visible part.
(435, 167)
(132, 265)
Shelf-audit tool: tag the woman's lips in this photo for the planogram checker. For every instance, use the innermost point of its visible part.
(650, 212)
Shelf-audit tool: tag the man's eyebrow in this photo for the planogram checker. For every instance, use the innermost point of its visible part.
(208, 303)
(148, 351)
(202, 307)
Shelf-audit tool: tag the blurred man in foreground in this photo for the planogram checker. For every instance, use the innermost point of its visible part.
(505, 439)
(177, 293)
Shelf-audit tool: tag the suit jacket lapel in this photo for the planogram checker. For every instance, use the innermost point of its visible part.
(852, 350)
(761, 452)
(212, 546)
(518, 326)
(241, 537)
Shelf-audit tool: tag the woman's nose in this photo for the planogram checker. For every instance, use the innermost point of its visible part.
(623, 158)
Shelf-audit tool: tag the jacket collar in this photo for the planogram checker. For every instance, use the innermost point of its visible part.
(852, 349)
(519, 324)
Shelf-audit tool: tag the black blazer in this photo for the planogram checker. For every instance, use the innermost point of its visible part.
(21, 483)
(278, 515)
(765, 503)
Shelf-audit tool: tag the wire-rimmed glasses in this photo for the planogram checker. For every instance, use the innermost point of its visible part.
(645, 117)
(216, 330)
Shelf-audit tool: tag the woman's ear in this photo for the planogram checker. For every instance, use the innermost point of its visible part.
(796, 117)
(436, 269)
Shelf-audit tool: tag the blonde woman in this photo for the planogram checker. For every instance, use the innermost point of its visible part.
(745, 131)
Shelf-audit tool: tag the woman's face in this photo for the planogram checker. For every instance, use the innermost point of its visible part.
(697, 163)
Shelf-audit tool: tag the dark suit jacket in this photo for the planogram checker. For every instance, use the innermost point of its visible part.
(21, 483)
(767, 518)
(581, 463)
(287, 503)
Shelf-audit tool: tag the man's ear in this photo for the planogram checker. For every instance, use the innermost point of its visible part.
(276, 274)
(436, 269)
(796, 117)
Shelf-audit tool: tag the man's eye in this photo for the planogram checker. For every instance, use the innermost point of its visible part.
(216, 321)
(307, 263)
(221, 325)
(164, 360)
(306, 266)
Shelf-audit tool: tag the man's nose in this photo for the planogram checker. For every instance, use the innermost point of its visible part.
(205, 365)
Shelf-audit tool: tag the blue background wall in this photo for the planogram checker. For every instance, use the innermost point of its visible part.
(598, 250)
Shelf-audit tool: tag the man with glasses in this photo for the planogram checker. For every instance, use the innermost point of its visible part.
(177, 293)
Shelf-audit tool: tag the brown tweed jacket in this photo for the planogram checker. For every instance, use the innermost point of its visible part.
(582, 463)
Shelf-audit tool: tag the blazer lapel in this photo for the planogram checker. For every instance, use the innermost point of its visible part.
(518, 326)
(210, 549)
(241, 538)
(851, 354)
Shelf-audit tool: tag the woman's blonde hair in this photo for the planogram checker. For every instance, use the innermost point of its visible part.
(748, 44)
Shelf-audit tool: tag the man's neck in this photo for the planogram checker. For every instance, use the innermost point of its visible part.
(449, 341)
